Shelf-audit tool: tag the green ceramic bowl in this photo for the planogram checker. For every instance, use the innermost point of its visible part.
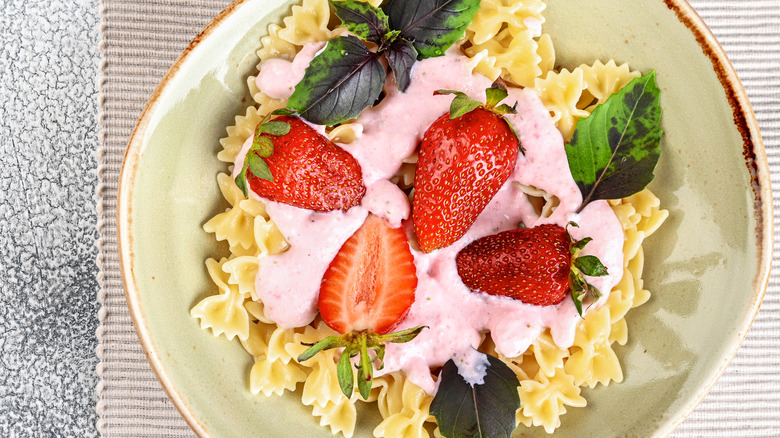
(707, 267)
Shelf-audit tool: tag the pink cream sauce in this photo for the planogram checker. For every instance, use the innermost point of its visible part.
(288, 283)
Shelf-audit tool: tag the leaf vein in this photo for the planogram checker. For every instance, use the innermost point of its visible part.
(615, 150)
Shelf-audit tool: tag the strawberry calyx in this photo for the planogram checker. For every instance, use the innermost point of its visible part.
(262, 147)
(366, 291)
(463, 104)
(358, 343)
(588, 265)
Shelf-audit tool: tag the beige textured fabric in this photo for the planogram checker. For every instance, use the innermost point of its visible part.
(140, 41)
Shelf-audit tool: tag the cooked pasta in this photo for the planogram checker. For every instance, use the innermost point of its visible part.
(505, 39)
(571, 95)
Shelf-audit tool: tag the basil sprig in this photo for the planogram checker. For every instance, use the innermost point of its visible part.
(431, 25)
(339, 83)
(347, 76)
(477, 411)
(614, 151)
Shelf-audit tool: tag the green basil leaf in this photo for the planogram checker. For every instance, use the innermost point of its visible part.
(590, 265)
(339, 83)
(483, 411)
(401, 55)
(431, 25)
(363, 20)
(613, 153)
(259, 167)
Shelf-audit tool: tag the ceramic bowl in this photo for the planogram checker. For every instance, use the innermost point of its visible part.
(707, 267)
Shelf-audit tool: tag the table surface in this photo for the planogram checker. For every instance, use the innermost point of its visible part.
(49, 65)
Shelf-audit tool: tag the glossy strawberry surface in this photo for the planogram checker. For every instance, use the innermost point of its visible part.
(309, 171)
(529, 264)
(371, 282)
(462, 164)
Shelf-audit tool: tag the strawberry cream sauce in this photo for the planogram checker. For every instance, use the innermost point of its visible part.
(288, 284)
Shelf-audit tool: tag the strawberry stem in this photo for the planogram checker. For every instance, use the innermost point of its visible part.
(588, 265)
(358, 343)
(365, 369)
(462, 104)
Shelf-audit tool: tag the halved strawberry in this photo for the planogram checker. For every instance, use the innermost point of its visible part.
(290, 162)
(370, 284)
(366, 291)
(538, 265)
(464, 158)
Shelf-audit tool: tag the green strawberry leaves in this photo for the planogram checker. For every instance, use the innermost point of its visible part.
(481, 411)
(262, 146)
(614, 151)
(359, 344)
(344, 372)
(432, 25)
(274, 128)
(347, 76)
(463, 104)
(259, 168)
(583, 265)
(590, 265)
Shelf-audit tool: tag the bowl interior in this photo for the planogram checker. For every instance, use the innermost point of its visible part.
(703, 266)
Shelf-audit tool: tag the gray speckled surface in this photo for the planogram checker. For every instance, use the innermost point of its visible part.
(48, 136)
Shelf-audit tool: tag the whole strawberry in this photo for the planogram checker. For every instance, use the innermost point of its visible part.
(366, 291)
(538, 265)
(291, 163)
(464, 158)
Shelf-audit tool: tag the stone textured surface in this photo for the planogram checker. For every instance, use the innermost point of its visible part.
(48, 137)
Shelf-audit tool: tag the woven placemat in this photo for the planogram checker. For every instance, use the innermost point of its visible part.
(140, 41)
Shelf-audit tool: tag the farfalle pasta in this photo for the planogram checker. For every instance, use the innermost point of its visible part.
(505, 39)
(571, 95)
